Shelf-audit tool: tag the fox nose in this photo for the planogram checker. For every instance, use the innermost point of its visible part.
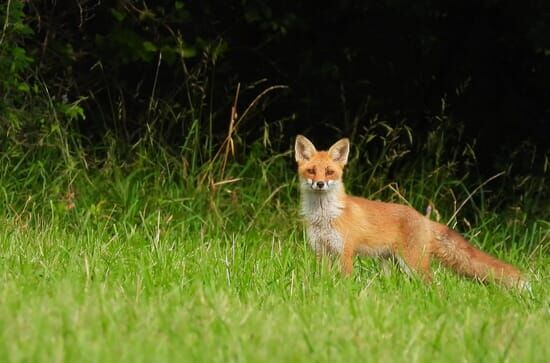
(320, 184)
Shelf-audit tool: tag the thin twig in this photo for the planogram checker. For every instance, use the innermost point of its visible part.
(228, 142)
(228, 146)
(472, 194)
(396, 191)
(187, 82)
(5, 27)
(251, 223)
(256, 100)
(227, 181)
(393, 189)
(154, 84)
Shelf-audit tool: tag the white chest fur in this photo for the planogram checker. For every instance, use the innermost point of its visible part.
(320, 209)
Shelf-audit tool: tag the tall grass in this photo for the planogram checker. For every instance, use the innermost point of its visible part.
(152, 254)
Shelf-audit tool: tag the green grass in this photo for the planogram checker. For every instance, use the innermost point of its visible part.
(173, 282)
(151, 261)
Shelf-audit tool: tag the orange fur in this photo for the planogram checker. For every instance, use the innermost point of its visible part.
(348, 225)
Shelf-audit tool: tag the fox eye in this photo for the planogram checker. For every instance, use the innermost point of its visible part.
(310, 171)
(329, 172)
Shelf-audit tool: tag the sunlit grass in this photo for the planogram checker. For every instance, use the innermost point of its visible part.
(156, 292)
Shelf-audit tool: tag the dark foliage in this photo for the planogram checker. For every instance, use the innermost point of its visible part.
(345, 62)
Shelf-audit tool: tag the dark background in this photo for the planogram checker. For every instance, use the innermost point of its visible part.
(345, 63)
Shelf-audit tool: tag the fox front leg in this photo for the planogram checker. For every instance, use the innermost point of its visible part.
(346, 260)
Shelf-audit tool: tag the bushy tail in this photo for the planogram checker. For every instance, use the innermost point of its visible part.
(457, 253)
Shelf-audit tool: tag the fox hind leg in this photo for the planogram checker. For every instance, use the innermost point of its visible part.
(416, 260)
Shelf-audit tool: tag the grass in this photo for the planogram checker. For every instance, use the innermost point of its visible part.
(158, 293)
(142, 264)
(140, 254)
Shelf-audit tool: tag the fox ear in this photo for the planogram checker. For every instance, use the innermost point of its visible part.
(339, 151)
(303, 148)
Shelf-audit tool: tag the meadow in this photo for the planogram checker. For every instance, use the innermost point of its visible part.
(138, 224)
(165, 258)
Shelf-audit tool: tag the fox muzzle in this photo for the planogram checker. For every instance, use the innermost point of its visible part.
(320, 184)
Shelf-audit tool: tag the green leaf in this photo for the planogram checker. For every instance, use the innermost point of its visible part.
(23, 87)
(149, 47)
(119, 16)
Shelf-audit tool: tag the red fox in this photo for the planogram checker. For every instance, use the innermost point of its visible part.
(345, 225)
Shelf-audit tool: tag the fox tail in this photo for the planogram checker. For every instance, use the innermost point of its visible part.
(458, 254)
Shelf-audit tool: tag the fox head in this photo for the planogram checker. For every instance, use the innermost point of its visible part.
(320, 171)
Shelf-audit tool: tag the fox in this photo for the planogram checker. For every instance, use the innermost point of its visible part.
(343, 225)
